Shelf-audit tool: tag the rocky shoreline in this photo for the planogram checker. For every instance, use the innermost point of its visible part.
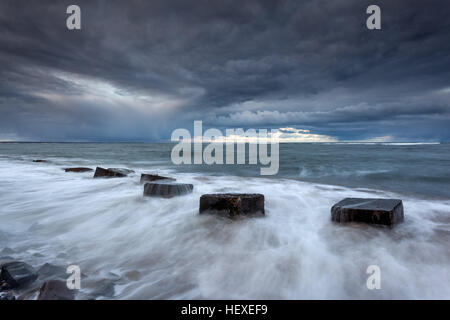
(19, 280)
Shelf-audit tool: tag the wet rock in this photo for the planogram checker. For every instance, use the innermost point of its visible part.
(374, 211)
(39, 161)
(167, 190)
(232, 204)
(146, 177)
(55, 290)
(48, 271)
(78, 169)
(17, 274)
(111, 172)
(8, 295)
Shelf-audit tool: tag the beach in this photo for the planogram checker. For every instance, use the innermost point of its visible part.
(133, 247)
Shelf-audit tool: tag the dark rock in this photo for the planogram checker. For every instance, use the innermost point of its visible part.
(48, 271)
(8, 295)
(111, 172)
(77, 169)
(375, 211)
(55, 290)
(18, 274)
(232, 204)
(38, 160)
(167, 190)
(146, 177)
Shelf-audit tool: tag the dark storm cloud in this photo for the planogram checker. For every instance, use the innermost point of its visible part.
(139, 69)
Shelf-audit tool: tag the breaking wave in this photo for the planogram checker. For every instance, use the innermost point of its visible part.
(131, 247)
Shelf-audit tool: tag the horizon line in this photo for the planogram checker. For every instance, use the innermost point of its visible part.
(282, 142)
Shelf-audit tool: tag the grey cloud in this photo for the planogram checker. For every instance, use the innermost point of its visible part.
(310, 64)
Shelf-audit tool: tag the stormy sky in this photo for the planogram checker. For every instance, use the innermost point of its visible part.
(137, 70)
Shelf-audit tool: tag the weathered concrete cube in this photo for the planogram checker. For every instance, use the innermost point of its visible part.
(374, 211)
(167, 190)
(232, 204)
(146, 177)
(111, 172)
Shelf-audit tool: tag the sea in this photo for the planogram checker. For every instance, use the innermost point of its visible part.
(128, 246)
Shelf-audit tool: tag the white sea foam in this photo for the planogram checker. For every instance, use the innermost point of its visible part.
(162, 248)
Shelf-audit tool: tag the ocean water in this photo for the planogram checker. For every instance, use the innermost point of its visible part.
(131, 247)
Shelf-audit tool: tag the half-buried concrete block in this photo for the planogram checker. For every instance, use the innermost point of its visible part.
(232, 204)
(375, 211)
(111, 172)
(167, 190)
(146, 177)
